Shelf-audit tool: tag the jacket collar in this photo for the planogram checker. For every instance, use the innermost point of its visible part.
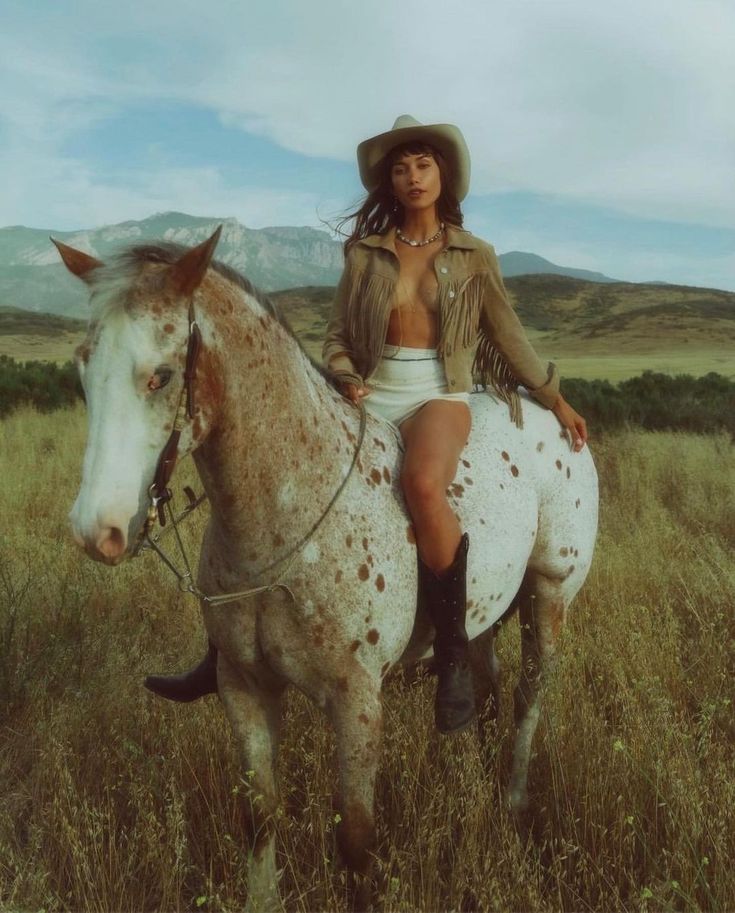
(456, 237)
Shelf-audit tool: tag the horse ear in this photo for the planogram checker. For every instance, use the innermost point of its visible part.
(76, 261)
(189, 270)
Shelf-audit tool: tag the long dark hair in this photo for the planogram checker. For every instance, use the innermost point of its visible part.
(380, 210)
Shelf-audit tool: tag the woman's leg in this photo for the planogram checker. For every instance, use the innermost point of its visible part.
(434, 440)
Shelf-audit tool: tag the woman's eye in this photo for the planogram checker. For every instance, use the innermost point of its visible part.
(160, 377)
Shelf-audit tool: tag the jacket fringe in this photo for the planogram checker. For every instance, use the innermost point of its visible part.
(490, 369)
(460, 322)
(367, 312)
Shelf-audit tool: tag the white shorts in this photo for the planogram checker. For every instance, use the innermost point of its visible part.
(405, 380)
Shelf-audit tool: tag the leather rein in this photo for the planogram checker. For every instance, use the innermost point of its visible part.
(161, 497)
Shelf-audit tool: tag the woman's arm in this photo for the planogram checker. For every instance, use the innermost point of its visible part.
(501, 324)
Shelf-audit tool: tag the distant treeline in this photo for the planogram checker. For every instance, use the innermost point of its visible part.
(656, 402)
(39, 383)
(653, 401)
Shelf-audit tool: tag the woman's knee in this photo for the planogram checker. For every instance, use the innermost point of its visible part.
(421, 487)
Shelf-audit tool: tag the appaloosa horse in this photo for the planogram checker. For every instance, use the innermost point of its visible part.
(273, 442)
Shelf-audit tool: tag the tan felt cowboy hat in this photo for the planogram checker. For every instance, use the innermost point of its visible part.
(446, 138)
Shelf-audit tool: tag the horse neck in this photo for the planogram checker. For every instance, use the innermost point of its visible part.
(279, 446)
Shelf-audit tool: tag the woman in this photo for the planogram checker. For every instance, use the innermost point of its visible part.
(419, 309)
(420, 304)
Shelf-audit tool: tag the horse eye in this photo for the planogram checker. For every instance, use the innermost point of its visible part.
(160, 377)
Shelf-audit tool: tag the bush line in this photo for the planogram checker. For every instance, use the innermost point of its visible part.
(652, 400)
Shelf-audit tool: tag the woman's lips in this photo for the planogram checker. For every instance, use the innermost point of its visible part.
(415, 193)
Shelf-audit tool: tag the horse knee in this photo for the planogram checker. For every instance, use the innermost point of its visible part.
(356, 838)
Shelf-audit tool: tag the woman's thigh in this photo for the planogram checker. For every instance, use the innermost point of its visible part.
(434, 438)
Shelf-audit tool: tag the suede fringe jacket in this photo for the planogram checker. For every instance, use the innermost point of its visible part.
(480, 337)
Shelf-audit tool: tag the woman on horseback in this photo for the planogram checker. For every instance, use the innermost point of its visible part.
(420, 313)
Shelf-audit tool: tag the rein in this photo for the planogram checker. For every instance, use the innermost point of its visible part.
(161, 497)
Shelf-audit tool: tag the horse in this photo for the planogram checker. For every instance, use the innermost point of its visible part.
(307, 511)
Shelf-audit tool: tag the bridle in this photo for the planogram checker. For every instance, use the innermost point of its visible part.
(161, 498)
(159, 494)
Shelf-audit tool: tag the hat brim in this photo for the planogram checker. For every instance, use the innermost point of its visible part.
(446, 138)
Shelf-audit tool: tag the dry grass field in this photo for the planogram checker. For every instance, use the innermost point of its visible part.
(111, 799)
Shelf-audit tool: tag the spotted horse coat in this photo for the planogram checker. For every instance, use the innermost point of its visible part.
(272, 440)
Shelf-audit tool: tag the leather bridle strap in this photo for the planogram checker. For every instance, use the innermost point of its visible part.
(159, 491)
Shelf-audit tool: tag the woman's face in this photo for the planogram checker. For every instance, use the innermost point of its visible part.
(416, 181)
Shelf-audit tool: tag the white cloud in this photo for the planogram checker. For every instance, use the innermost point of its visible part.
(627, 105)
(67, 195)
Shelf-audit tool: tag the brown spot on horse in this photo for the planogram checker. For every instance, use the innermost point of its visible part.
(505, 456)
(373, 636)
(386, 474)
(514, 470)
(380, 583)
(355, 645)
(363, 572)
(376, 476)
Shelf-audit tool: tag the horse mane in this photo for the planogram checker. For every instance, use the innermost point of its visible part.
(117, 275)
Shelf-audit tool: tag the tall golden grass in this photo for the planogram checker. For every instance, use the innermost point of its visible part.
(113, 800)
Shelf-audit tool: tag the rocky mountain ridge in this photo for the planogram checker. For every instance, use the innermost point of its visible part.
(32, 277)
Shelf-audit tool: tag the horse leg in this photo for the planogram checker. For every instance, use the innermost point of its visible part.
(357, 716)
(542, 605)
(486, 677)
(253, 709)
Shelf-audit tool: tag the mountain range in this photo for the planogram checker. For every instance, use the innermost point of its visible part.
(32, 277)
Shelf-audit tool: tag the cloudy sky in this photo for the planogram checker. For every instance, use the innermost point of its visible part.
(602, 134)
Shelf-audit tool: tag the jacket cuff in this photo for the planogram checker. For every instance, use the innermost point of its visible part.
(343, 367)
(548, 393)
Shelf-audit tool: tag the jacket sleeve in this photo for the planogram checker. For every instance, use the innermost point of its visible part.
(337, 353)
(500, 323)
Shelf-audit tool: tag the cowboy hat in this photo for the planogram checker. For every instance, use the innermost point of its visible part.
(446, 138)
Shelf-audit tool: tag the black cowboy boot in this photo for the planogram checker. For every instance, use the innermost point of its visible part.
(445, 599)
(189, 686)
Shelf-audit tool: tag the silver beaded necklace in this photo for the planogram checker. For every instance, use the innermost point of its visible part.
(412, 243)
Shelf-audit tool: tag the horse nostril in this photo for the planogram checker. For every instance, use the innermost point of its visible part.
(111, 542)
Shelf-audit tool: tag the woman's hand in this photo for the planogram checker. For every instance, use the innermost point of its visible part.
(572, 421)
(353, 393)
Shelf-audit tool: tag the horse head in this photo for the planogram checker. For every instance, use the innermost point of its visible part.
(132, 366)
